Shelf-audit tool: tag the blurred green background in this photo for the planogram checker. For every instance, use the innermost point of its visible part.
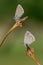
(13, 50)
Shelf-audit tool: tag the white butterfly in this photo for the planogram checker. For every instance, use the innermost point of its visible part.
(19, 12)
(29, 38)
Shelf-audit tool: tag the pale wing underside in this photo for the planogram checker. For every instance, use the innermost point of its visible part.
(19, 12)
(29, 38)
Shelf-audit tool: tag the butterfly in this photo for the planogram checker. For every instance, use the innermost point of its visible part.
(18, 14)
(28, 38)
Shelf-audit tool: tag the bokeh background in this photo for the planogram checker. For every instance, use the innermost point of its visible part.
(13, 51)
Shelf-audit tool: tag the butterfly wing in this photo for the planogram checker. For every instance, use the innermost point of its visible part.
(19, 12)
(29, 38)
